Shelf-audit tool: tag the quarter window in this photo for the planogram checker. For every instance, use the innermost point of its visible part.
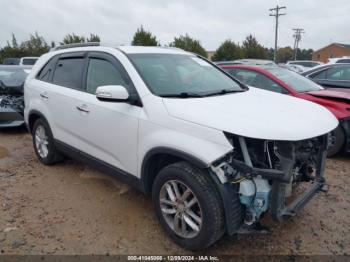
(321, 75)
(101, 73)
(69, 72)
(46, 72)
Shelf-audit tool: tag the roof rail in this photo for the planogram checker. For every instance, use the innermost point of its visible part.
(60, 47)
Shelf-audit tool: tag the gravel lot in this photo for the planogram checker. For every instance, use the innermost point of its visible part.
(72, 209)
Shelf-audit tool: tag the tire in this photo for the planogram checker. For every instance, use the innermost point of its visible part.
(209, 206)
(336, 142)
(51, 155)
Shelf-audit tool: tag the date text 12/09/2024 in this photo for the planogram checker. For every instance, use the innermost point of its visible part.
(173, 258)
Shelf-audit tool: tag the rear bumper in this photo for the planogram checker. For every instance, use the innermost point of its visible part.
(345, 124)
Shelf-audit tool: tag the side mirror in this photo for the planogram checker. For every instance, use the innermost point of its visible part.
(112, 93)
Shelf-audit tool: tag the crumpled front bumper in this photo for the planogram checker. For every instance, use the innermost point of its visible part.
(279, 209)
(10, 117)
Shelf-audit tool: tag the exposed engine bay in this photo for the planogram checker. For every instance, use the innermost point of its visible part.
(265, 173)
(11, 105)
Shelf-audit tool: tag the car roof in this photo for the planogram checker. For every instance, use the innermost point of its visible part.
(123, 48)
(320, 67)
(151, 49)
(261, 68)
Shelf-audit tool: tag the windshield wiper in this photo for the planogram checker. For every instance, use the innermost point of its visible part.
(183, 95)
(224, 92)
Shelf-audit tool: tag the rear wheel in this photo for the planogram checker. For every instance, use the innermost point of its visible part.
(336, 141)
(44, 144)
(188, 206)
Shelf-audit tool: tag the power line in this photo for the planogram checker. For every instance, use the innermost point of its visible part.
(297, 38)
(276, 13)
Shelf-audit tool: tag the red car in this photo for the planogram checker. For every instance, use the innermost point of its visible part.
(280, 80)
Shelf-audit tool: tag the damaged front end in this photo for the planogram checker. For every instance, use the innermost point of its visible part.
(11, 106)
(267, 174)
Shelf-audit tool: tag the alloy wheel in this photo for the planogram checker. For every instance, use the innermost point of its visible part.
(180, 209)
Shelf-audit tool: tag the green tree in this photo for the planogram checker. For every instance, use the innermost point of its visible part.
(144, 38)
(228, 50)
(72, 39)
(252, 48)
(189, 44)
(35, 46)
(304, 54)
(284, 54)
(93, 38)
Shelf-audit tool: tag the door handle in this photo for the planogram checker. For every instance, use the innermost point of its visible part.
(44, 95)
(83, 108)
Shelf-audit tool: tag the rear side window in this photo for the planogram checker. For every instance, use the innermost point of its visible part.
(101, 73)
(69, 72)
(339, 73)
(46, 72)
(320, 75)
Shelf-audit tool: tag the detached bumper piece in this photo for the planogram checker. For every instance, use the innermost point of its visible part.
(299, 203)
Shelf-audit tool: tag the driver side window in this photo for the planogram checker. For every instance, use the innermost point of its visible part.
(101, 73)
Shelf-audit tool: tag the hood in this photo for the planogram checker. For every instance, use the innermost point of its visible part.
(338, 94)
(13, 88)
(257, 114)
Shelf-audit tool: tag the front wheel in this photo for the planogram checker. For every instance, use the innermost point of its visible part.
(188, 206)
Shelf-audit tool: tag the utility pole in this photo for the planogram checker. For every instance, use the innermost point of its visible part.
(297, 38)
(276, 13)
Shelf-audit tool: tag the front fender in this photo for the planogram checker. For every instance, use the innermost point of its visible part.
(201, 150)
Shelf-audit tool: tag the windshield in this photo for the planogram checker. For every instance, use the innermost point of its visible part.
(177, 75)
(13, 77)
(299, 83)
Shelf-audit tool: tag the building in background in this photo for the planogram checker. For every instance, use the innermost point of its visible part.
(330, 51)
(210, 54)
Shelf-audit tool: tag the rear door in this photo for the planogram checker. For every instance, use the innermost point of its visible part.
(63, 96)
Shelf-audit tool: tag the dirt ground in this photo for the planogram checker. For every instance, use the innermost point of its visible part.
(72, 209)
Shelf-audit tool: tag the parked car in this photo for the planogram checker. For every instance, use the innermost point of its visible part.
(295, 68)
(213, 153)
(11, 61)
(11, 95)
(247, 62)
(339, 60)
(25, 61)
(29, 60)
(330, 75)
(282, 81)
(305, 63)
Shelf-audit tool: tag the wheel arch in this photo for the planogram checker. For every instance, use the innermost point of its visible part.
(32, 117)
(159, 157)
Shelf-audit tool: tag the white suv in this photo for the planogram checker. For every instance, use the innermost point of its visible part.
(214, 154)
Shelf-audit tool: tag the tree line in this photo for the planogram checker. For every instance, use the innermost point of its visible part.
(36, 45)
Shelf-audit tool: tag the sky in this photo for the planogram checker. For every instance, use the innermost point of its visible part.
(210, 21)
